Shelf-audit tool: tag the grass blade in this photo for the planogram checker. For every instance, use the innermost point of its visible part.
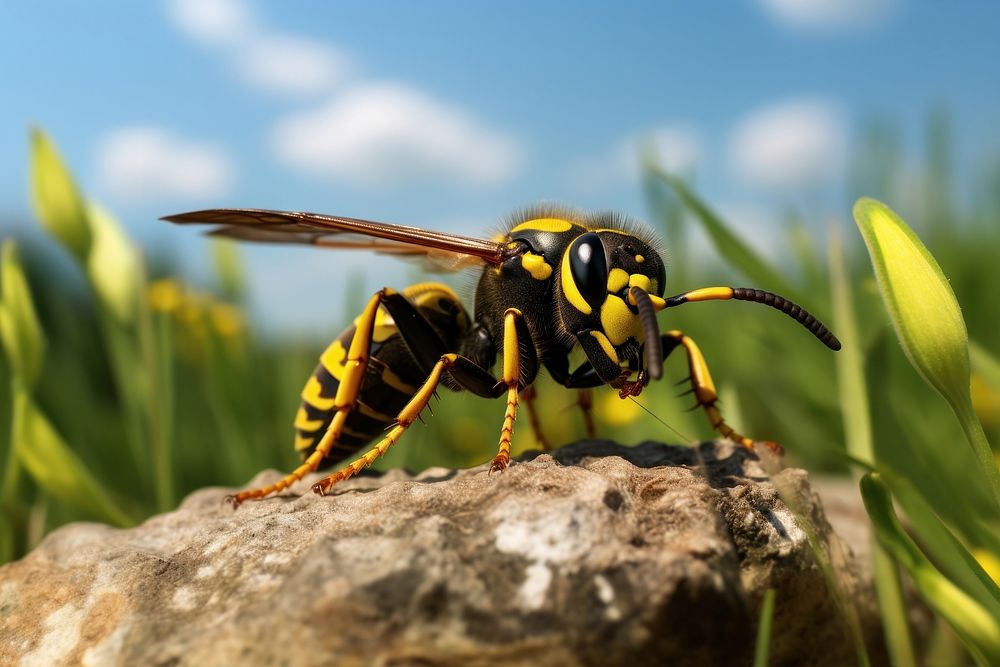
(853, 390)
(55, 467)
(978, 628)
(761, 657)
(20, 332)
(735, 251)
(57, 201)
(985, 364)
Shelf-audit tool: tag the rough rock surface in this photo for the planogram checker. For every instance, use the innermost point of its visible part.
(596, 555)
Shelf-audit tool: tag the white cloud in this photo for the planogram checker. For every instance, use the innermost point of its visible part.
(676, 148)
(290, 65)
(212, 21)
(789, 145)
(386, 134)
(144, 163)
(830, 14)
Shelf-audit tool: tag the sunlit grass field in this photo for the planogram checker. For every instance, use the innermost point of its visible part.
(126, 388)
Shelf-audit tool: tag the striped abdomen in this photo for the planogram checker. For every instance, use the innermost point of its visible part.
(391, 379)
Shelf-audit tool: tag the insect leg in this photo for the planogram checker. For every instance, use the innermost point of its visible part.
(409, 414)
(704, 388)
(585, 399)
(346, 398)
(528, 396)
(515, 332)
(583, 378)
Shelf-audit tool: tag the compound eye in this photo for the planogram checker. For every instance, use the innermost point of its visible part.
(589, 267)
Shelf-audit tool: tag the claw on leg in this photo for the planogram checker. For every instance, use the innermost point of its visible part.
(500, 463)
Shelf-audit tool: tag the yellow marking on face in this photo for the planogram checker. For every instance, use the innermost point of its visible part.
(618, 322)
(499, 238)
(303, 422)
(303, 441)
(710, 294)
(569, 287)
(639, 259)
(536, 266)
(606, 345)
(555, 225)
(333, 359)
(640, 281)
(613, 231)
(617, 280)
(658, 303)
(311, 395)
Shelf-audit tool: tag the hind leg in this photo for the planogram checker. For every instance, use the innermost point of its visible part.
(347, 395)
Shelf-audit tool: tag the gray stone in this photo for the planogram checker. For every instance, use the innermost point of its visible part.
(595, 554)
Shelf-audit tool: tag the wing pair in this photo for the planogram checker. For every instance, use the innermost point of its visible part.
(451, 251)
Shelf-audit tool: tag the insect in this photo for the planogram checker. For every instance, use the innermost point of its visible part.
(556, 279)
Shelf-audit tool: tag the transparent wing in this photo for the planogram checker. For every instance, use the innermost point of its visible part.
(444, 250)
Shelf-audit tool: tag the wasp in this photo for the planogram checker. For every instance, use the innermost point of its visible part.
(553, 281)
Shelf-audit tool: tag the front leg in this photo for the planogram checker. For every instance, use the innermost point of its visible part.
(704, 388)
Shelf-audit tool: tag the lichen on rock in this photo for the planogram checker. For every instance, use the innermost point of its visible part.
(595, 554)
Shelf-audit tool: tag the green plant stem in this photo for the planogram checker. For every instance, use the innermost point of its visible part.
(893, 607)
(973, 430)
(157, 349)
(762, 650)
(979, 630)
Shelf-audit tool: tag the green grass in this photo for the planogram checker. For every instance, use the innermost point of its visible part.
(125, 388)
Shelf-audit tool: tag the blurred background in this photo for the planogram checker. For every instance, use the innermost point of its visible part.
(160, 362)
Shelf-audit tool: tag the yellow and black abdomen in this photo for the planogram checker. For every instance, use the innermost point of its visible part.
(391, 378)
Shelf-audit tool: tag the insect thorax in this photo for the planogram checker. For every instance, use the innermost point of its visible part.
(541, 281)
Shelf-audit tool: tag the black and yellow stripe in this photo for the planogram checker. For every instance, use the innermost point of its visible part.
(391, 379)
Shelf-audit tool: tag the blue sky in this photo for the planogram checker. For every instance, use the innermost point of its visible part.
(451, 114)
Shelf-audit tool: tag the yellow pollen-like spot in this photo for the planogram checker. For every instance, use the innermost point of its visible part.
(617, 280)
(618, 322)
(536, 266)
(333, 359)
(640, 259)
(554, 225)
(640, 281)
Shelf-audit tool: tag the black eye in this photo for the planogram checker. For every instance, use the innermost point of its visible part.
(590, 268)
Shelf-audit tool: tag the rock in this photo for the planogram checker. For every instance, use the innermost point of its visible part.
(597, 554)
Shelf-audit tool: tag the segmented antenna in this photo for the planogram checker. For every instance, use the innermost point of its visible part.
(800, 314)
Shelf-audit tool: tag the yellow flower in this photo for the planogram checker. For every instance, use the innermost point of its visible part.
(165, 295)
(227, 319)
(615, 411)
(985, 400)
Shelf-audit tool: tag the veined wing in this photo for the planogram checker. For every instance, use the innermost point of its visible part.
(337, 232)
